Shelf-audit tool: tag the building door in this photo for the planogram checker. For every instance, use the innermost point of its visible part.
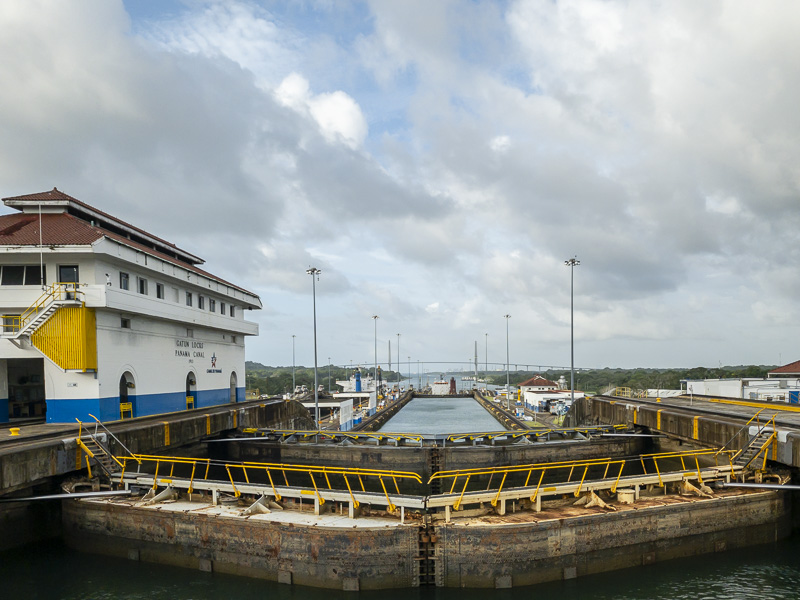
(233, 387)
(127, 396)
(68, 274)
(191, 391)
(26, 388)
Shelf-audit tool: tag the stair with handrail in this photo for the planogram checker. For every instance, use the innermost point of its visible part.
(54, 297)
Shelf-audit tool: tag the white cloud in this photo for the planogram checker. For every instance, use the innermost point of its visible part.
(439, 161)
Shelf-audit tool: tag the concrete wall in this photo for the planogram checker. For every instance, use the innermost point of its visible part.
(353, 558)
(502, 554)
(515, 555)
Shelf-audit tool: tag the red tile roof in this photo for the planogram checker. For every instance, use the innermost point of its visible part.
(63, 229)
(791, 369)
(56, 195)
(538, 381)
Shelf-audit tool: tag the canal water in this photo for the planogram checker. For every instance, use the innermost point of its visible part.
(49, 571)
(436, 414)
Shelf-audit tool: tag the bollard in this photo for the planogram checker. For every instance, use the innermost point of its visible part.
(14, 430)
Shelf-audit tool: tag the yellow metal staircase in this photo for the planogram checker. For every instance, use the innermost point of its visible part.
(60, 326)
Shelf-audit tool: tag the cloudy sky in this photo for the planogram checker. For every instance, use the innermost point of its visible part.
(439, 161)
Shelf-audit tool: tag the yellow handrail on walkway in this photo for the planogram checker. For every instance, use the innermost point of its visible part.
(772, 405)
(310, 471)
(462, 478)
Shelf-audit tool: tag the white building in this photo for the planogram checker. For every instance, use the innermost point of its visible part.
(102, 318)
(781, 385)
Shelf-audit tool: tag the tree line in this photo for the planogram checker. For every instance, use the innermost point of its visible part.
(278, 380)
(602, 380)
(275, 381)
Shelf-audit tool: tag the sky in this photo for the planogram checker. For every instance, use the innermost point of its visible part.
(439, 162)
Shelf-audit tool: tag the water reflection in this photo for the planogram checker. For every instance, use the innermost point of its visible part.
(435, 414)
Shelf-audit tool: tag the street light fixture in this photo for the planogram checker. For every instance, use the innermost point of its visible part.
(329, 375)
(314, 272)
(572, 263)
(508, 367)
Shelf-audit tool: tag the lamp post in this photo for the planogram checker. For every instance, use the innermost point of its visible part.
(314, 272)
(294, 384)
(508, 367)
(375, 372)
(572, 263)
(329, 375)
(398, 362)
(486, 363)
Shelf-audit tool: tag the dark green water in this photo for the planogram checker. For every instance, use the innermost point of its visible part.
(50, 571)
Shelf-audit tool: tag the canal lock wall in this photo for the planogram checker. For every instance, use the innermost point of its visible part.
(471, 553)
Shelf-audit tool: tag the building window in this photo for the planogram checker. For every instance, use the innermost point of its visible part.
(13, 275)
(142, 285)
(233, 339)
(124, 281)
(34, 275)
(189, 299)
(233, 310)
(160, 291)
(212, 304)
(222, 307)
(201, 302)
(21, 275)
(189, 333)
(125, 323)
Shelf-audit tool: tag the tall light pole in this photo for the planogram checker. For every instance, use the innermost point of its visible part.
(329, 375)
(375, 372)
(314, 272)
(572, 263)
(486, 364)
(508, 366)
(294, 383)
(398, 362)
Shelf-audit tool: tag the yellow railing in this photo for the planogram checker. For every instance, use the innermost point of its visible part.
(189, 402)
(782, 406)
(319, 476)
(683, 456)
(566, 472)
(765, 446)
(55, 291)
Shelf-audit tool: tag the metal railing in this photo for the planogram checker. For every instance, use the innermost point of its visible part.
(97, 426)
(314, 436)
(383, 488)
(54, 292)
(322, 478)
(546, 473)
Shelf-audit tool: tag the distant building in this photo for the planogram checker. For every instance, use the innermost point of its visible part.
(781, 385)
(790, 371)
(102, 318)
(537, 383)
